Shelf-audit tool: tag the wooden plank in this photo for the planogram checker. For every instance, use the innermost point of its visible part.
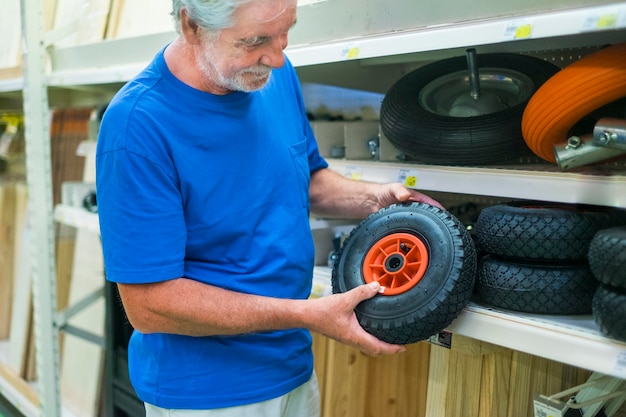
(114, 18)
(20, 320)
(413, 386)
(10, 33)
(438, 377)
(81, 367)
(24, 388)
(12, 218)
(465, 372)
(520, 399)
(383, 377)
(140, 17)
(397, 385)
(86, 19)
(345, 381)
(495, 384)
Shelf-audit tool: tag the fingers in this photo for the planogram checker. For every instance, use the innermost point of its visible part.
(364, 341)
(399, 193)
(421, 198)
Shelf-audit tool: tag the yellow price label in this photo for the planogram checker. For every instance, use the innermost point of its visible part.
(607, 21)
(523, 31)
(353, 53)
(355, 175)
(411, 181)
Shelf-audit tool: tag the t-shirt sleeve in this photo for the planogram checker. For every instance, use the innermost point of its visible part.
(141, 219)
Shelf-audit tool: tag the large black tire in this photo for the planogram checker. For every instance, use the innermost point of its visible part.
(609, 310)
(542, 230)
(607, 256)
(413, 128)
(534, 287)
(431, 290)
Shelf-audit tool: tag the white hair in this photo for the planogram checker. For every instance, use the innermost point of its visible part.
(210, 15)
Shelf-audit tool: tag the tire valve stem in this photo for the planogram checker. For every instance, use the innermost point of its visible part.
(404, 248)
(474, 76)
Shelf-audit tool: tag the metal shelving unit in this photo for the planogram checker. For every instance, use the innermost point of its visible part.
(400, 38)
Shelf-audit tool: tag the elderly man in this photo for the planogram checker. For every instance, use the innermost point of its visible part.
(207, 171)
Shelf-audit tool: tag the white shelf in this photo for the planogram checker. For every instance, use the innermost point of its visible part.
(523, 182)
(543, 25)
(77, 217)
(11, 85)
(116, 61)
(573, 340)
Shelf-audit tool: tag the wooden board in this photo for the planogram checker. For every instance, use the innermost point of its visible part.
(86, 21)
(12, 217)
(10, 33)
(131, 18)
(397, 385)
(355, 385)
(81, 367)
(477, 379)
(22, 300)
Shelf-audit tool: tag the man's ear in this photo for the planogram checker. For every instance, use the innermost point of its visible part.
(189, 28)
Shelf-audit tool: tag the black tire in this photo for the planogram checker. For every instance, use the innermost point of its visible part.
(607, 256)
(428, 137)
(534, 287)
(445, 286)
(609, 310)
(542, 230)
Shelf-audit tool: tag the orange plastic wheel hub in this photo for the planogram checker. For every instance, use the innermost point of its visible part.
(397, 261)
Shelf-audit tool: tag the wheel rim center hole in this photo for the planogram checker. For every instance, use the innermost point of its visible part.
(394, 262)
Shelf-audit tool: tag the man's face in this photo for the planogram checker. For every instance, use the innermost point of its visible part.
(241, 58)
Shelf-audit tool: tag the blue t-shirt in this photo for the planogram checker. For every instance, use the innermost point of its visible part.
(215, 189)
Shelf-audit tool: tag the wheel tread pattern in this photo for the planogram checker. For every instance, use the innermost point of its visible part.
(412, 324)
(607, 256)
(609, 310)
(534, 287)
(539, 230)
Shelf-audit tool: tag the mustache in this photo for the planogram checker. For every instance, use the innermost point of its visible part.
(257, 70)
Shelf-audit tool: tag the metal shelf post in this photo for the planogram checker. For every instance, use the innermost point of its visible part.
(40, 206)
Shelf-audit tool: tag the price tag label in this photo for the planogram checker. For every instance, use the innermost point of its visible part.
(518, 30)
(443, 339)
(544, 407)
(350, 51)
(408, 177)
(354, 173)
(600, 22)
(620, 362)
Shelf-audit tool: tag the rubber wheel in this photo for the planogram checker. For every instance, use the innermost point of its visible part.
(425, 260)
(609, 310)
(542, 230)
(607, 256)
(422, 117)
(574, 92)
(536, 287)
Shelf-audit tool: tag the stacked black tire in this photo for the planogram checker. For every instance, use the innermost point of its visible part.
(607, 260)
(535, 255)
